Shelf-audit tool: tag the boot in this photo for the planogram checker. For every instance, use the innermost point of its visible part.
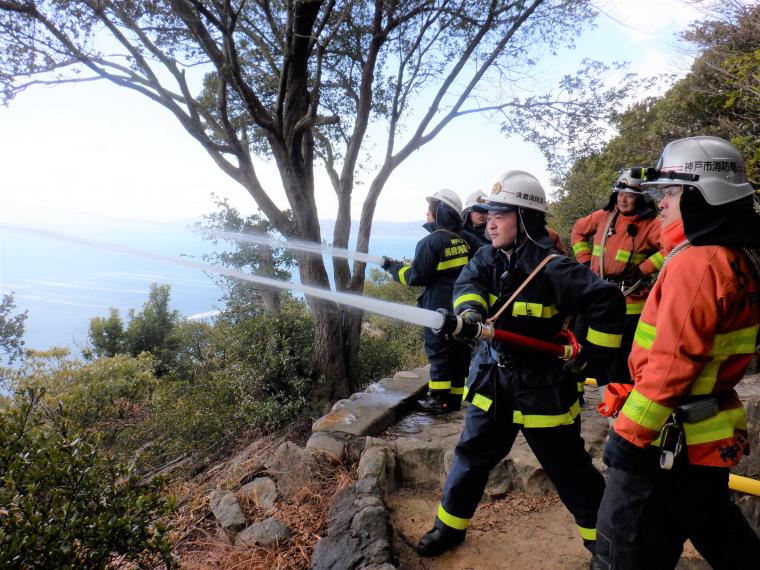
(439, 539)
(440, 403)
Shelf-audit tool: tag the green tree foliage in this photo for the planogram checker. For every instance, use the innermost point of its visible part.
(301, 82)
(110, 396)
(720, 96)
(11, 330)
(151, 330)
(107, 335)
(257, 258)
(387, 345)
(64, 503)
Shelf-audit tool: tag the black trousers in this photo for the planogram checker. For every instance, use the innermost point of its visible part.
(449, 362)
(487, 438)
(646, 517)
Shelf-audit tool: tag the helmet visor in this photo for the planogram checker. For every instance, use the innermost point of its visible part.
(499, 207)
(657, 193)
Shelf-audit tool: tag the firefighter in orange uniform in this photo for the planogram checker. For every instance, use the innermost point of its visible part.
(683, 426)
(621, 243)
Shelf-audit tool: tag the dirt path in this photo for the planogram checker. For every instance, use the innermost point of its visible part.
(518, 532)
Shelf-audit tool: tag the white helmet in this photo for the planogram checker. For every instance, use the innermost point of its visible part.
(516, 189)
(629, 181)
(475, 202)
(710, 164)
(448, 197)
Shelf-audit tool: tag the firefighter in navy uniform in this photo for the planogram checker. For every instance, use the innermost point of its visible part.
(683, 426)
(438, 260)
(513, 390)
(474, 215)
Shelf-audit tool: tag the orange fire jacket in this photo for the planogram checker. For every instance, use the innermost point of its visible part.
(622, 253)
(696, 337)
(556, 241)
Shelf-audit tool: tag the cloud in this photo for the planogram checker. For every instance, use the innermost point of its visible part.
(643, 19)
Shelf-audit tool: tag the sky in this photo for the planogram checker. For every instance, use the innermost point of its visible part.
(100, 162)
(105, 152)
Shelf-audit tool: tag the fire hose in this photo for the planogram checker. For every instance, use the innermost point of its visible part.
(459, 328)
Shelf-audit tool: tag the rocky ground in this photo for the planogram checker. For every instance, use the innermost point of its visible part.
(521, 523)
(365, 487)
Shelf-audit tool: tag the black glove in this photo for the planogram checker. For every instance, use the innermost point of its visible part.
(591, 362)
(639, 276)
(471, 317)
(387, 262)
(622, 454)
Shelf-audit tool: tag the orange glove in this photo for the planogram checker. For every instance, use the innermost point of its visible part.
(614, 398)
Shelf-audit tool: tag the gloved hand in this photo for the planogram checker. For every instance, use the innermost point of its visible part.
(615, 396)
(387, 262)
(622, 454)
(639, 276)
(591, 362)
(471, 317)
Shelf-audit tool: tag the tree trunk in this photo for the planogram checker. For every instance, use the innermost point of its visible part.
(334, 353)
(270, 298)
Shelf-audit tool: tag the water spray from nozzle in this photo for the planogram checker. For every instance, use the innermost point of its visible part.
(406, 313)
(294, 244)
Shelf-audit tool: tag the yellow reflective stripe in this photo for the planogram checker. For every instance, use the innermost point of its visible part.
(657, 260)
(402, 274)
(638, 258)
(455, 262)
(492, 299)
(524, 309)
(597, 250)
(634, 308)
(587, 533)
(706, 379)
(543, 421)
(456, 391)
(581, 246)
(479, 400)
(643, 411)
(482, 402)
(644, 335)
(452, 521)
(741, 341)
(580, 386)
(623, 255)
(603, 339)
(470, 297)
(439, 384)
(720, 426)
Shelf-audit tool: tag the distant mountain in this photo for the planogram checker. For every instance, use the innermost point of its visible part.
(380, 229)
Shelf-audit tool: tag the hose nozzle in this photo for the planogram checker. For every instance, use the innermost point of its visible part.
(458, 327)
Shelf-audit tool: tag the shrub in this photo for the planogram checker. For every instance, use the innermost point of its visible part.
(109, 396)
(247, 374)
(387, 345)
(66, 504)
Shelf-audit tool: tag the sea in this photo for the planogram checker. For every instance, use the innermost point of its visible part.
(63, 283)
